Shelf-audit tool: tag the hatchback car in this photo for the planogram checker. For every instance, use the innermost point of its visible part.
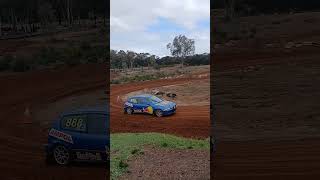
(81, 135)
(149, 104)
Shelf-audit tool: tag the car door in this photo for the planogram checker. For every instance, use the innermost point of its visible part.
(133, 103)
(138, 106)
(145, 105)
(89, 135)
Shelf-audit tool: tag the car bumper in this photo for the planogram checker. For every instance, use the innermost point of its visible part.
(166, 113)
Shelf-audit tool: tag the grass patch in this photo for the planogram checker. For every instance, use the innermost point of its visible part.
(130, 144)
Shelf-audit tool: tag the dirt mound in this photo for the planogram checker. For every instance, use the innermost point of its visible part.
(158, 163)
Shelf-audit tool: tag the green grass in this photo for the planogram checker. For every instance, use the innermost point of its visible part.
(126, 145)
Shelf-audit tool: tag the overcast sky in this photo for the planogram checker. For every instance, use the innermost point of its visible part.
(149, 25)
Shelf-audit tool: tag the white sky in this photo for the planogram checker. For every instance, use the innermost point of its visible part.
(149, 25)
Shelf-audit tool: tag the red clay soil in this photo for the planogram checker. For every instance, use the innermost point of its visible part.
(264, 160)
(189, 121)
(21, 145)
(277, 152)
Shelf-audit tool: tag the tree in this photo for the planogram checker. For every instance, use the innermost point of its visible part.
(229, 9)
(123, 59)
(46, 13)
(130, 58)
(181, 47)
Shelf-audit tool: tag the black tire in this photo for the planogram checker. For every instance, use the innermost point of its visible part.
(61, 155)
(158, 113)
(129, 110)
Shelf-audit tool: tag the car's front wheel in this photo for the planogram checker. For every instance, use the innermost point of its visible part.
(61, 155)
(129, 110)
(158, 113)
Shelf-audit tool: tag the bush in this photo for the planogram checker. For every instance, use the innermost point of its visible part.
(20, 65)
(47, 56)
(5, 62)
(123, 165)
(115, 81)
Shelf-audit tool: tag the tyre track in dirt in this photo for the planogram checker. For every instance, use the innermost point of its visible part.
(189, 121)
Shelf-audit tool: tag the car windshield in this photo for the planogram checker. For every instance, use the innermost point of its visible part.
(155, 99)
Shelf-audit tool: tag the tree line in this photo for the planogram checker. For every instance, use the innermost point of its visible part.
(129, 60)
(29, 16)
(254, 7)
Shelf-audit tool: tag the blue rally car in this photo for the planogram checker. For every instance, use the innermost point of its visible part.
(149, 104)
(81, 135)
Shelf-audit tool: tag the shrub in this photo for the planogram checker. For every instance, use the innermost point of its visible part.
(20, 65)
(123, 165)
(115, 81)
(5, 62)
(164, 145)
(135, 151)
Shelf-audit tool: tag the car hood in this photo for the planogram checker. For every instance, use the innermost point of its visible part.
(166, 104)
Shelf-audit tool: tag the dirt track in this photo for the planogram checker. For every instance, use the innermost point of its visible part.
(21, 145)
(266, 122)
(267, 108)
(189, 121)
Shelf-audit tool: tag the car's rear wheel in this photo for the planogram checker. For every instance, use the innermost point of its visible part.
(129, 110)
(61, 155)
(158, 113)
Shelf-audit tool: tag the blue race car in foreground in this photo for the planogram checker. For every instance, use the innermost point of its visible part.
(149, 104)
(80, 135)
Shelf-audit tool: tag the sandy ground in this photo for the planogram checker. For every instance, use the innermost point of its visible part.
(265, 102)
(170, 164)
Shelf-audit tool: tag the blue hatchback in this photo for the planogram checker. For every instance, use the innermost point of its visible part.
(81, 135)
(149, 104)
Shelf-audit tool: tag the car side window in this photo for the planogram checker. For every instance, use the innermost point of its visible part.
(134, 101)
(97, 124)
(140, 100)
(74, 123)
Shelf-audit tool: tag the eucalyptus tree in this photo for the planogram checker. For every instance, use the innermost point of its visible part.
(181, 47)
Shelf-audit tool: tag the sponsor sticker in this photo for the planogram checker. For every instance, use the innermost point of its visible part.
(61, 135)
(88, 156)
(148, 109)
(138, 110)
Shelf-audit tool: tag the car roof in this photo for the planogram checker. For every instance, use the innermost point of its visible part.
(84, 110)
(141, 96)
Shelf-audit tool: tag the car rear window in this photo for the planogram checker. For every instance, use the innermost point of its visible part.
(134, 101)
(75, 123)
(97, 123)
